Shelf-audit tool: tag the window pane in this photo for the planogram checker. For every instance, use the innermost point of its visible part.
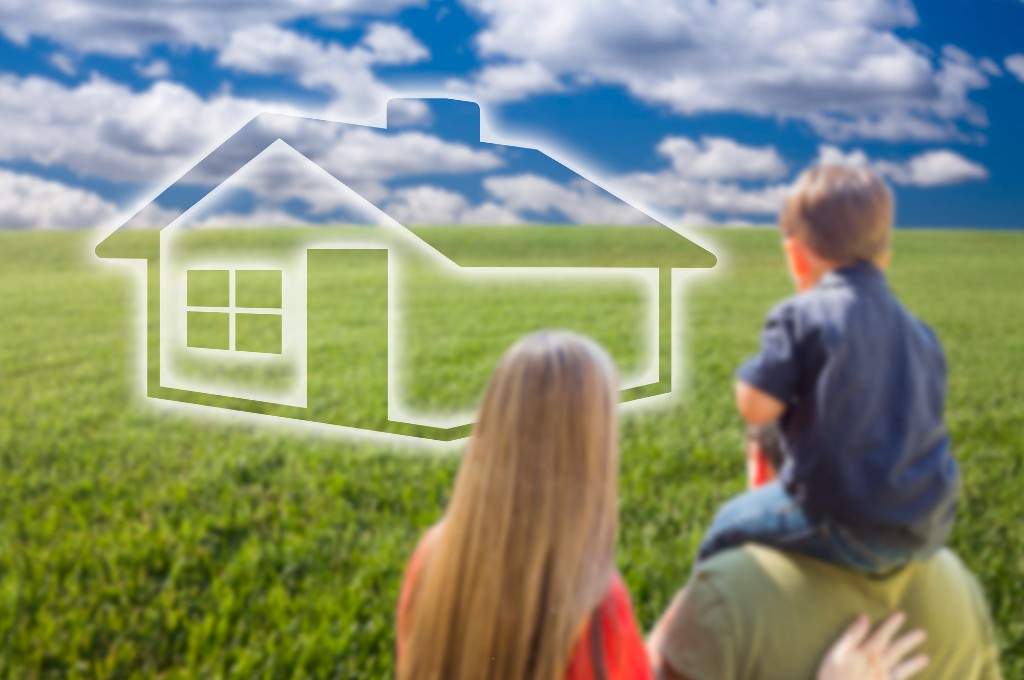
(258, 288)
(258, 333)
(208, 330)
(207, 288)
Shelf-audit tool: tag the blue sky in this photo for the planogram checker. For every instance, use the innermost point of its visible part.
(704, 111)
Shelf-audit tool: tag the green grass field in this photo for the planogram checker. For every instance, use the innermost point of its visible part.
(139, 543)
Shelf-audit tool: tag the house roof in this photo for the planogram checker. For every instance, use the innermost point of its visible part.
(534, 175)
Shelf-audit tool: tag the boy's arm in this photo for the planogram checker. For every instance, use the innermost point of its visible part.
(766, 382)
(756, 406)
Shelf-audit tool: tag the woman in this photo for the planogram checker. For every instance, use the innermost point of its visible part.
(518, 580)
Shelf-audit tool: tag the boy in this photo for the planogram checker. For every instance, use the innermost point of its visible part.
(858, 385)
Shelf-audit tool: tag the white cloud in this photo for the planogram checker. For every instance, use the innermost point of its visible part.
(667, 189)
(63, 63)
(149, 135)
(128, 27)
(710, 175)
(154, 70)
(280, 180)
(489, 213)
(393, 44)
(344, 72)
(1015, 65)
(279, 175)
(579, 201)
(939, 167)
(28, 202)
(365, 154)
(426, 204)
(103, 129)
(499, 83)
(847, 73)
(721, 158)
(255, 219)
(833, 155)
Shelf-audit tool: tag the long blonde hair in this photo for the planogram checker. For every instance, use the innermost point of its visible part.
(526, 549)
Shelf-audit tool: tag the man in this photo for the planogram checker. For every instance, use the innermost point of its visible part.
(756, 612)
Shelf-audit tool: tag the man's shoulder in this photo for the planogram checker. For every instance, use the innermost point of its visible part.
(755, 568)
(758, 612)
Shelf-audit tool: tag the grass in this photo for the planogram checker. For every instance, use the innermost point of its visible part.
(136, 542)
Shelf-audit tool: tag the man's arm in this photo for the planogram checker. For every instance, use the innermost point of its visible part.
(663, 670)
(756, 406)
(694, 639)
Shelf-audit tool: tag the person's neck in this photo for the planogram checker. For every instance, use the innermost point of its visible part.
(810, 277)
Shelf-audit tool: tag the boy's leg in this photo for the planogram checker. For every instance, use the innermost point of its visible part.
(765, 515)
(769, 516)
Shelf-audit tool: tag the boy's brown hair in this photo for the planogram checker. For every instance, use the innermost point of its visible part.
(843, 214)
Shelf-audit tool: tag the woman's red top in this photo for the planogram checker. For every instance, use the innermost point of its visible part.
(622, 646)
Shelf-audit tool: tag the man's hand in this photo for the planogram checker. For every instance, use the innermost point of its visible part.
(757, 407)
(858, 656)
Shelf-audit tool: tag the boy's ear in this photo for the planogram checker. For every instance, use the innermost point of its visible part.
(799, 259)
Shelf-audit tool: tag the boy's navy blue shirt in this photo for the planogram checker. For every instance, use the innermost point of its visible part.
(864, 383)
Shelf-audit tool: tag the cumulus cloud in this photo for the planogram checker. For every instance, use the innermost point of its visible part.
(127, 28)
(710, 175)
(346, 73)
(671, 191)
(366, 154)
(721, 158)
(499, 83)
(63, 63)
(1015, 65)
(100, 128)
(104, 129)
(149, 134)
(848, 74)
(257, 218)
(154, 70)
(282, 180)
(29, 202)
(393, 44)
(578, 201)
(938, 167)
(427, 204)
(489, 213)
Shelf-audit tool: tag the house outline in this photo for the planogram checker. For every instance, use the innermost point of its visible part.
(664, 281)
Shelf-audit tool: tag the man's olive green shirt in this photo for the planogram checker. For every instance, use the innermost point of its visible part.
(755, 613)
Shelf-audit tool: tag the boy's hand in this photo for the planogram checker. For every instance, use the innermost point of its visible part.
(757, 407)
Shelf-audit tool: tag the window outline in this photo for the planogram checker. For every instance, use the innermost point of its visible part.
(233, 310)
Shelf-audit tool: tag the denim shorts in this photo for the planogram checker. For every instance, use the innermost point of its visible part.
(770, 516)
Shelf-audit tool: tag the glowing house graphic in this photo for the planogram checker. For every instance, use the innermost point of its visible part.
(322, 319)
